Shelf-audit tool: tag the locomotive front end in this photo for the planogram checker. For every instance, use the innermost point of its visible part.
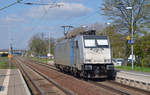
(97, 56)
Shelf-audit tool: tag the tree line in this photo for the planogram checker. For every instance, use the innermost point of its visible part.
(128, 15)
(40, 44)
(121, 20)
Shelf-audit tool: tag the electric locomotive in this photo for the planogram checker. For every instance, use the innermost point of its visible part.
(86, 55)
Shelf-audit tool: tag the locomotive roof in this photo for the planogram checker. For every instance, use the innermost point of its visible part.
(95, 36)
(85, 36)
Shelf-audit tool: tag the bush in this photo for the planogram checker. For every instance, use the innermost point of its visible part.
(145, 62)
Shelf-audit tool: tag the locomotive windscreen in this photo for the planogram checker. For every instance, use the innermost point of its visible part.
(89, 42)
(96, 42)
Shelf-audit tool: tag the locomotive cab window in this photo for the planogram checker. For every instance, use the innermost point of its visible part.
(96, 42)
(102, 43)
(90, 43)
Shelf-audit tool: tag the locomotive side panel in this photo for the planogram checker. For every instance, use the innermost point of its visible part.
(70, 53)
(78, 52)
(75, 49)
(62, 53)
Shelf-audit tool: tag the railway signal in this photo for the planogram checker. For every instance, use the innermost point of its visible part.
(9, 56)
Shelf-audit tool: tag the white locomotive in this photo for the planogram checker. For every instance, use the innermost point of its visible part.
(85, 55)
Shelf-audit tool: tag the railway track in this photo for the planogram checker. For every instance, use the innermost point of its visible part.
(133, 89)
(113, 86)
(120, 89)
(78, 87)
(39, 83)
(109, 87)
(34, 89)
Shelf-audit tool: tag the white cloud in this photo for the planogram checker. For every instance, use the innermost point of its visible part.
(23, 26)
(67, 11)
(72, 0)
(12, 19)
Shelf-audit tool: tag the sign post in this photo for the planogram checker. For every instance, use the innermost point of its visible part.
(131, 42)
(9, 60)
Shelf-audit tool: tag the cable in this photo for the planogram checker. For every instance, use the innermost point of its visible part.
(44, 14)
(29, 3)
(18, 1)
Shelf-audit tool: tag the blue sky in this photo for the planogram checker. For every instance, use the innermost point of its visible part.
(20, 22)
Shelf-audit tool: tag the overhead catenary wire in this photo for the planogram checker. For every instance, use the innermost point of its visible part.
(14, 3)
(30, 3)
(51, 4)
(42, 16)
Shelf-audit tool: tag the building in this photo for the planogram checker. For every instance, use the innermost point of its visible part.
(3, 52)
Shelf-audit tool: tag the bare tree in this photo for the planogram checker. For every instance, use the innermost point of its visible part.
(116, 11)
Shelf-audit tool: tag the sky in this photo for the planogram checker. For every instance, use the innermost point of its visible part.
(20, 22)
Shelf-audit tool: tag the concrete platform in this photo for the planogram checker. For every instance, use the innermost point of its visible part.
(12, 83)
(136, 79)
(136, 72)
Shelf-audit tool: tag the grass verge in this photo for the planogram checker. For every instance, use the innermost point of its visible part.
(4, 63)
(136, 68)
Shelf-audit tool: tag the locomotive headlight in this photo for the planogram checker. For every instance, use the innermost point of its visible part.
(88, 60)
(88, 67)
(110, 67)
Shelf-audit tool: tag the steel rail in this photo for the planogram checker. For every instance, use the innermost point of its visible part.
(68, 92)
(29, 76)
(104, 86)
(44, 64)
(118, 91)
(130, 87)
(97, 84)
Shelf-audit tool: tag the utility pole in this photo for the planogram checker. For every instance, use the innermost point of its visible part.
(10, 52)
(132, 38)
(107, 25)
(132, 31)
(49, 45)
(66, 30)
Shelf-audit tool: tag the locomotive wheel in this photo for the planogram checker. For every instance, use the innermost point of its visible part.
(75, 74)
(85, 75)
(78, 74)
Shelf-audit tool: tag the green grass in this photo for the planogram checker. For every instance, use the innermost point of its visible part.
(2, 59)
(4, 63)
(42, 60)
(136, 68)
